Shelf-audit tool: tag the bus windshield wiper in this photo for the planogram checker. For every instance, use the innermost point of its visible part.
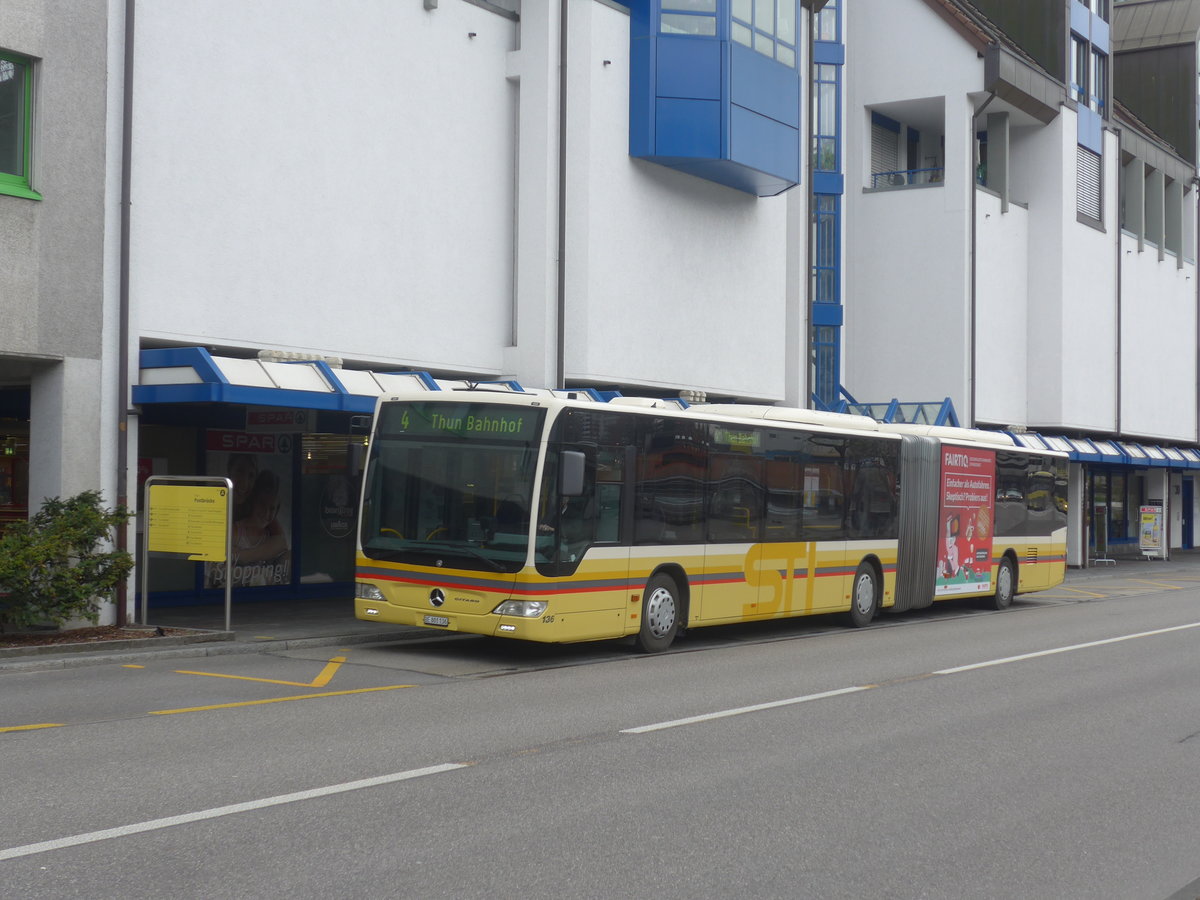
(469, 551)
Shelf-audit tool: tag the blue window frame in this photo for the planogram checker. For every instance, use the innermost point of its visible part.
(829, 23)
(827, 88)
(769, 26)
(826, 250)
(693, 17)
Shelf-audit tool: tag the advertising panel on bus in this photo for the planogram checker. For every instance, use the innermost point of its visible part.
(966, 514)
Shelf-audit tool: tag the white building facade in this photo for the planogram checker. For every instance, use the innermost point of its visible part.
(804, 202)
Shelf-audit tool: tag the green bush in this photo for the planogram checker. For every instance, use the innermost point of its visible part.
(55, 568)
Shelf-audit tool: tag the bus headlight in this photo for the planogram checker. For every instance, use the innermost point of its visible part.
(367, 592)
(528, 609)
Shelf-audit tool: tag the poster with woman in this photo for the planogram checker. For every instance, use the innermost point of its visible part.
(260, 468)
(967, 510)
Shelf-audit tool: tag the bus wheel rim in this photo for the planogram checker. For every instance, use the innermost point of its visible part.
(1004, 579)
(660, 612)
(864, 593)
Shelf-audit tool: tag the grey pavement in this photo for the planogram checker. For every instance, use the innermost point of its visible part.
(288, 625)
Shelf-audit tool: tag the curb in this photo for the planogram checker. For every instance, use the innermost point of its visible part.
(127, 644)
(218, 643)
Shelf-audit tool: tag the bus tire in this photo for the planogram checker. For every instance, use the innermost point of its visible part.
(660, 614)
(864, 595)
(1006, 585)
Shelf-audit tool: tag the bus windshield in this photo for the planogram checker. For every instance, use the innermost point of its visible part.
(451, 483)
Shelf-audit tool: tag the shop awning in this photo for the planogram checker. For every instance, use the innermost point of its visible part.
(1112, 452)
(193, 375)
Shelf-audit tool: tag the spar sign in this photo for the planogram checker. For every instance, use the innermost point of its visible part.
(967, 510)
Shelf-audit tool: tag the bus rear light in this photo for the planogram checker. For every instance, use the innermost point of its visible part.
(526, 609)
(367, 592)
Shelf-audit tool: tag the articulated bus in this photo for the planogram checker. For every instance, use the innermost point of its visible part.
(549, 518)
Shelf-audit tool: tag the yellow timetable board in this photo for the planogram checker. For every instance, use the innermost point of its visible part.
(188, 519)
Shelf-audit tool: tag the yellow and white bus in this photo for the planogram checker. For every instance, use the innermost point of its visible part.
(543, 518)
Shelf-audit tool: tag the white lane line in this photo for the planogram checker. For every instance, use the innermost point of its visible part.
(1051, 652)
(723, 714)
(155, 824)
(758, 707)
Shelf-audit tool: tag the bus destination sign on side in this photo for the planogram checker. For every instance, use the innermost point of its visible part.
(188, 519)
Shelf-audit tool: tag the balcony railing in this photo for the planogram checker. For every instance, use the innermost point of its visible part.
(906, 178)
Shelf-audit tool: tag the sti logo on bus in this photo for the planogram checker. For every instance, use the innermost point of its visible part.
(436, 597)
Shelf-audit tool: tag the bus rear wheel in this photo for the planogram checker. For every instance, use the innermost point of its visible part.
(1006, 585)
(660, 614)
(864, 596)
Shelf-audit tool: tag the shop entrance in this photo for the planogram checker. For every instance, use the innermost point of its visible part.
(294, 501)
(14, 455)
(1187, 535)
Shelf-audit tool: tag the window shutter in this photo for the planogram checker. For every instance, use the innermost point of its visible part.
(1087, 183)
(884, 153)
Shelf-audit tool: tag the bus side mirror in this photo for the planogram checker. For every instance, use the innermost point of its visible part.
(571, 469)
(356, 455)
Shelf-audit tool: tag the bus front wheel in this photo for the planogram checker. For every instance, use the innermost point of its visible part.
(864, 596)
(660, 614)
(1006, 584)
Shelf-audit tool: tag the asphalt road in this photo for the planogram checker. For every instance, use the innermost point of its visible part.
(1050, 751)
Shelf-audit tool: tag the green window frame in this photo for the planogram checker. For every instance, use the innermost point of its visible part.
(16, 125)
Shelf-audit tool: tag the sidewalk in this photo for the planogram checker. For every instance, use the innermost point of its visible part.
(280, 625)
(319, 623)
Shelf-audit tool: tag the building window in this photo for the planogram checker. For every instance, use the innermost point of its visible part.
(16, 117)
(1087, 183)
(769, 26)
(825, 128)
(1098, 93)
(694, 17)
(829, 23)
(1079, 69)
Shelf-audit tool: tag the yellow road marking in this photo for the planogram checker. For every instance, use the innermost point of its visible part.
(1079, 591)
(131, 666)
(30, 727)
(321, 680)
(171, 712)
(1170, 587)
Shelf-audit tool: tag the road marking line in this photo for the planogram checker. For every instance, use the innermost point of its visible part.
(707, 717)
(1116, 640)
(31, 727)
(1074, 590)
(92, 837)
(758, 707)
(321, 680)
(171, 712)
(132, 666)
(1170, 587)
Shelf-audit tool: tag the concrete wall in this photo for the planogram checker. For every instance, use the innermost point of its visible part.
(1158, 344)
(671, 280)
(907, 259)
(1003, 317)
(338, 180)
(52, 276)
(376, 184)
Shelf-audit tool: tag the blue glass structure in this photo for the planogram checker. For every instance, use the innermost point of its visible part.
(829, 57)
(715, 90)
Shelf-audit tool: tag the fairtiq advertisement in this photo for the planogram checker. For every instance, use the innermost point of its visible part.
(968, 500)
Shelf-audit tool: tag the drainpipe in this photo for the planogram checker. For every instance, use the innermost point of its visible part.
(807, 379)
(1117, 330)
(561, 337)
(974, 237)
(123, 305)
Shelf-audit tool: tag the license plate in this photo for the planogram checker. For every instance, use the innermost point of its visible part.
(436, 620)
